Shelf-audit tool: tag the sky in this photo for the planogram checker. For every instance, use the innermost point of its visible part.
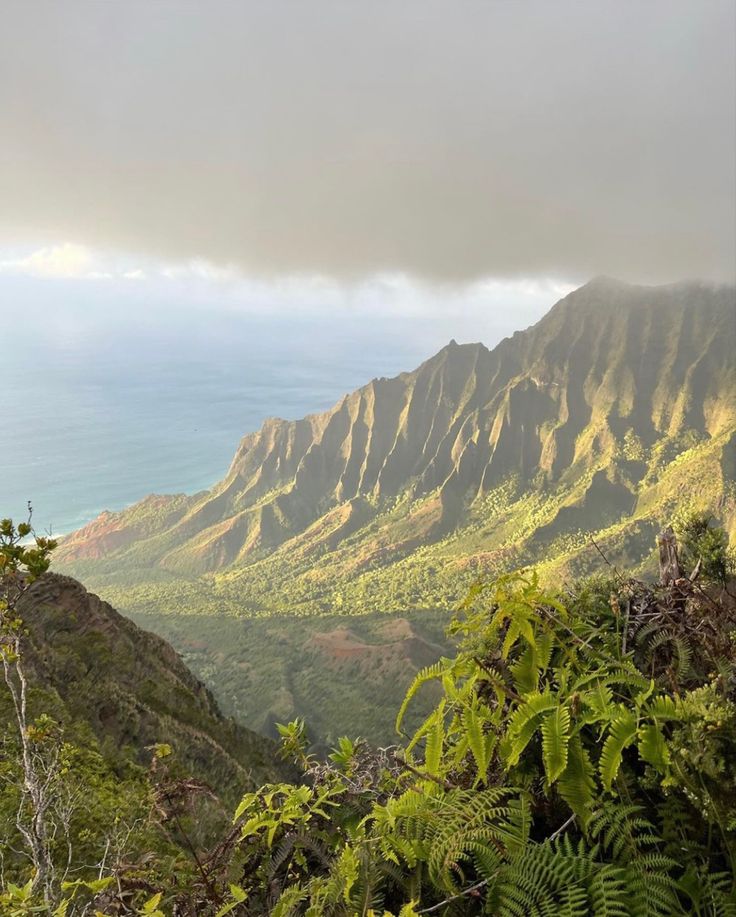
(216, 210)
(450, 145)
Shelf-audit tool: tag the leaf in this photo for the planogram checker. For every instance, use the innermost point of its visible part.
(348, 868)
(238, 895)
(409, 910)
(245, 803)
(151, 906)
(652, 747)
(98, 885)
(621, 734)
(427, 725)
(433, 747)
(481, 743)
(288, 901)
(524, 723)
(576, 785)
(555, 740)
(664, 708)
(430, 673)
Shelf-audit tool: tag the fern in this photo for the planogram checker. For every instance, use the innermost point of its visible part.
(480, 743)
(653, 748)
(433, 746)
(463, 820)
(288, 901)
(555, 741)
(621, 734)
(525, 722)
(576, 784)
(609, 896)
(540, 702)
(622, 831)
(423, 676)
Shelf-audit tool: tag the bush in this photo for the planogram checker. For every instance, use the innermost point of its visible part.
(703, 542)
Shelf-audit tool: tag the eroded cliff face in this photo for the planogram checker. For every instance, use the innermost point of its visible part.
(611, 373)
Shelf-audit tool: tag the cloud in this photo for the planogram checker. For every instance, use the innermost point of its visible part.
(201, 269)
(67, 260)
(448, 141)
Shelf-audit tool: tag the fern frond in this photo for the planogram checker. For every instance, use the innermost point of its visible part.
(433, 745)
(664, 707)
(652, 747)
(609, 896)
(427, 674)
(480, 742)
(555, 741)
(576, 784)
(288, 901)
(621, 733)
(524, 723)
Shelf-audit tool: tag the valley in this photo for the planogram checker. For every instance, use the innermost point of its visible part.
(606, 419)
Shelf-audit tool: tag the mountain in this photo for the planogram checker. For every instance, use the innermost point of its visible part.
(131, 689)
(615, 409)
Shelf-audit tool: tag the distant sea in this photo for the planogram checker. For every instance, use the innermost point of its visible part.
(95, 417)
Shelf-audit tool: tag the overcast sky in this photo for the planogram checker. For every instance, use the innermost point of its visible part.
(450, 141)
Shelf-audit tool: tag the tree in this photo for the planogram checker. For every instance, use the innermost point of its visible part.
(21, 562)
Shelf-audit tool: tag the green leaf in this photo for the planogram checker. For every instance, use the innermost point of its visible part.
(245, 803)
(621, 734)
(481, 743)
(525, 722)
(664, 708)
(238, 895)
(577, 785)
(555, 740)
(652, 747)
(433, 747)
(151, 906)
(430, 673)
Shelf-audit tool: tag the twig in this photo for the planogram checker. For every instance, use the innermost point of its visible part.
(562, 828)
(462, 894)
(626, 627)
(445, 784)
(605, 559)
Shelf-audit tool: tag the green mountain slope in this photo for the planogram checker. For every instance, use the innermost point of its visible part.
(613, 410)
(131, 689)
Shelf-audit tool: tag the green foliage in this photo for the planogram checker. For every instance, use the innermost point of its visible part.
(79, 809)
(569, 764)
(553, 776)
(18, 557)
(704, 544)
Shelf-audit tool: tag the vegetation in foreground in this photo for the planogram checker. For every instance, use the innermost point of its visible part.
(579, 761)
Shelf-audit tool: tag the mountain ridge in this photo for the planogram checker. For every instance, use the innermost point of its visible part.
(458, 424)
(612, 414)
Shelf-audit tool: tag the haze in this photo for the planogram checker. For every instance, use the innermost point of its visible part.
(449, 142)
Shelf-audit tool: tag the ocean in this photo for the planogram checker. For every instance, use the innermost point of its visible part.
(97, 415)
